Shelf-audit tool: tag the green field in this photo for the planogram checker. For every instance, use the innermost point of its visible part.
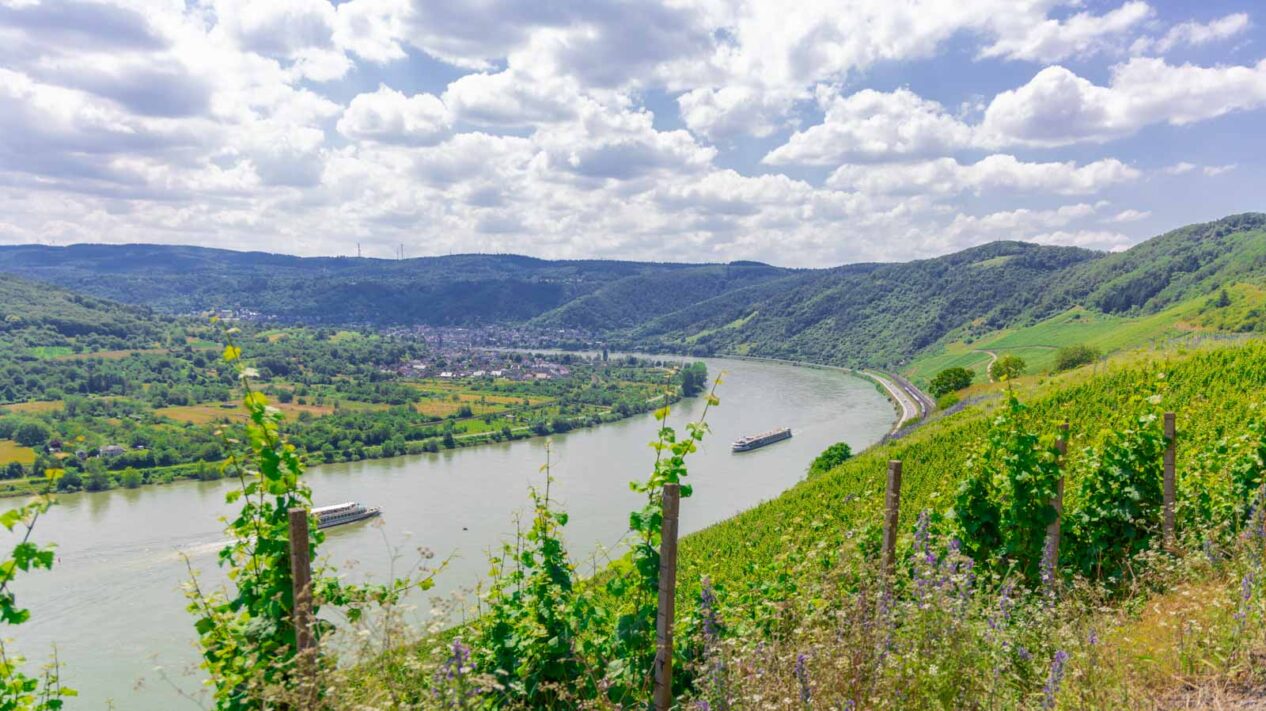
(51, 351)
(1038, 344)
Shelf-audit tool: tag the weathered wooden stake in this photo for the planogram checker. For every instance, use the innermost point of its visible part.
(663, 693)
(301, 576)
(892, 511)
(1057, 502)
(1169, 480)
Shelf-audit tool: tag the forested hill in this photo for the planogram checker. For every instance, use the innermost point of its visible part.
(452, 290)
(871, 314)
(884, 315)
(861, 314)
(40, 315)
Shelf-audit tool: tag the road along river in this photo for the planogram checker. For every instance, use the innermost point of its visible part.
(113, 605)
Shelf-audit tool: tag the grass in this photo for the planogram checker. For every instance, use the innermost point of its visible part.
(1038, 344)
(11, 451)
(48, 352)
(34, 407)
(112, 355)
(214, 412)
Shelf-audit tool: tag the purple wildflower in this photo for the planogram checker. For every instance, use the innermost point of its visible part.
(802, 676)
(1055, 678)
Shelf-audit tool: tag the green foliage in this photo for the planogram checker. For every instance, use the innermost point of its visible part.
(247, 631)
(531, 637)
(951, 380)
(1118, 504)
(1070, 357)
(1004, 505)
(18, 690)
(694, 379)
(947, 401)
(1007, 367)
(32, 434)
(546, 640)
(830, 458)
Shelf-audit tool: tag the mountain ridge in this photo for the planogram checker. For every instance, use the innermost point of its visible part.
(867, 314)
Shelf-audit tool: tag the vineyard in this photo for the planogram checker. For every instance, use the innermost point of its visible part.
(787, 605)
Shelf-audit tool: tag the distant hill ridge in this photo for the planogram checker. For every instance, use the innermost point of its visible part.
(859, 314)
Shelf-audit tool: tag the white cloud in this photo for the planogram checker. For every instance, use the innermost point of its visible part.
(225, 122)
(995, 173)
(1130, 215)
(1057, 107)
(874, 125)
(1077, 36)
(373, 29)
(1179, 168)
(730, 111)
(1193, 34)
(388, 116)
(1211, 170)
(512, 98)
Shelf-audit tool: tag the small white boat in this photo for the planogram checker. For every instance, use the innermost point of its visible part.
(340, 514)
(751, 442)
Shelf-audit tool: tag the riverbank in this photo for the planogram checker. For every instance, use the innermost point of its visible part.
(210, 471)
(911, 403)
(127, 545)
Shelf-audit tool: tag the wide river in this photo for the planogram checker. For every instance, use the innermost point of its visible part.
(113, 604)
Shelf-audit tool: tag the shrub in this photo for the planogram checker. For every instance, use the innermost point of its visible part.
(950, 380)
(1070, 357)
(830, 458)
(1007, 367)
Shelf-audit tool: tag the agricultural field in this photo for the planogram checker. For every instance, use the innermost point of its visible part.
(1038, 344)
(232, 411)
(11, 451)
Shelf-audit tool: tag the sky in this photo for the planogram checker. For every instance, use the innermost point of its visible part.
(806, 133)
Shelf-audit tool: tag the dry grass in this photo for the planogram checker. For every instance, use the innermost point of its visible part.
(35, 407)
(11, 451)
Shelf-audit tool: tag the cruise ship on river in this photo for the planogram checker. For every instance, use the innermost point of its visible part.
(751, 442)
(340, 514)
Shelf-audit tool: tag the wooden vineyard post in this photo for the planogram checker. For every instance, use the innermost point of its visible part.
(892, 511)
(301, 577)
(663, 693)
(1169, 480)
(1051, 561)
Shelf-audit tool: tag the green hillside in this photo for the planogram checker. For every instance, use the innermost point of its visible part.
(455, 290)
(633, 300)
(34, 315)
(1004, 296)
(869, 314)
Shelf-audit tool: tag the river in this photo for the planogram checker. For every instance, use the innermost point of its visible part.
(113, 604)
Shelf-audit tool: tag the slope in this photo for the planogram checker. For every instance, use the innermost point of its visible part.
(452, 290)
(869, 314)
(34, 315)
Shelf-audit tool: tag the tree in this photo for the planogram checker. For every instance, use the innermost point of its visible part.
(694, 379)
(98, 478)
(32, 434)
(1070, 357)
(1224, 299)
(1007, 367)
(830, 458)
(950, 380)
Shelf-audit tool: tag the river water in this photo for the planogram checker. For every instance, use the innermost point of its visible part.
(113, 604)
